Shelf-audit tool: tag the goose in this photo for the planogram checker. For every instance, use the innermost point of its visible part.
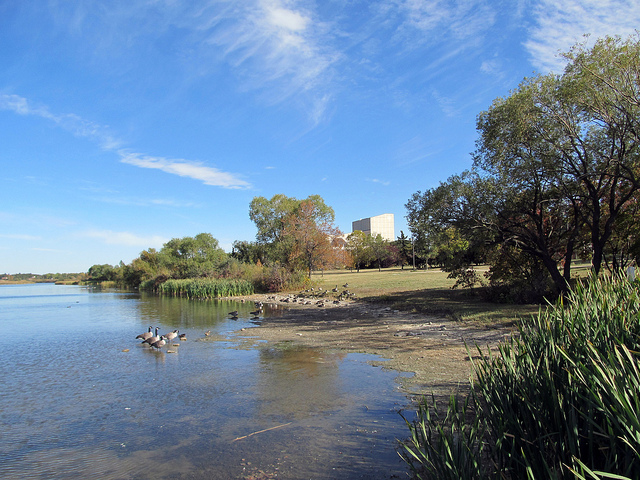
(335, 290)
(234, 313)
(145, 335)
(159, 343)
(256, 312)
(171, 335)
(346, 285)
(152, 339)
(207, 333)
(183, 337)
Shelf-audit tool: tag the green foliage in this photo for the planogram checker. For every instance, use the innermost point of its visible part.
(403, 244)
(205, 288)
(561, 399)
(358, 247)
(192, 257)
(557, 165)
(446, 445)
(102, 273)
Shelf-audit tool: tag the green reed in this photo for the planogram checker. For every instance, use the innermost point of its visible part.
(205, 288)
(560, 400)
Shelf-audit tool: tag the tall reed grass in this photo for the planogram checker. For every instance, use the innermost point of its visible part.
(205, 288)
(560, 400)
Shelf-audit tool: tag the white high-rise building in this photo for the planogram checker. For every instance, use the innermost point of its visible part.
(380, 224)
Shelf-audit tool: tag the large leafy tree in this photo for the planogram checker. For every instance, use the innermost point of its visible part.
(557, 158)
(311, 235)
(269, 217)
(192, 257)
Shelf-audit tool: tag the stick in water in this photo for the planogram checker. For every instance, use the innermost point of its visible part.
(261, 431)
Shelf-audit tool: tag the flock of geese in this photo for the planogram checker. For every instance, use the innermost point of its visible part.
(158, 341)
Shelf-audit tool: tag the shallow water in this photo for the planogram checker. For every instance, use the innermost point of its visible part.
(74, 404)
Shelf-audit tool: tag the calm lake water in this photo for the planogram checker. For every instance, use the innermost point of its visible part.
(75, 405)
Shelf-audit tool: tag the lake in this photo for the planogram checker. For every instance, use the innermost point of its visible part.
(82, 398)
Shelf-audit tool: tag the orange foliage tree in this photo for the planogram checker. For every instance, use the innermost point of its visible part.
(313, 238)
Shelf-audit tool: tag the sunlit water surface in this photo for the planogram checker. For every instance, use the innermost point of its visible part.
(75, 404)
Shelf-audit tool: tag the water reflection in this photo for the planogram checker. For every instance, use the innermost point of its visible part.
(297, 382)
(81, 398)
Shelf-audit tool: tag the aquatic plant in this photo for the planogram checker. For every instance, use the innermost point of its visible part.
(205, 288)
(560, 400)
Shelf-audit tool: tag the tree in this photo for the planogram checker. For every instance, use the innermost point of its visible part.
(269, 217)
(248, 252)
(359, 248)
(310, 234)
(559, 156)
(379, 249)
(102, 273)
(403, 245)
(192, 257)
(604, 82)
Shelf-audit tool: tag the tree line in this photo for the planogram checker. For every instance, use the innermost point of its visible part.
(295, 237)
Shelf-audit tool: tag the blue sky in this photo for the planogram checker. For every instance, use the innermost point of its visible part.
(127, 123)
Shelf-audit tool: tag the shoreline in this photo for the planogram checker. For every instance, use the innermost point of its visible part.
(432, 348)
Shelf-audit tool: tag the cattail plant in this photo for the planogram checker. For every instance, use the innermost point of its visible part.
(205, 288)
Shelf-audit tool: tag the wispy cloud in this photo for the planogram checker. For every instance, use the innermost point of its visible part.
(86, 129)
(185, 168)
(558, 25)
(143, 202)
(376, 180)
(449, 18)
(69, 122)
(125, 238)
(281, 48)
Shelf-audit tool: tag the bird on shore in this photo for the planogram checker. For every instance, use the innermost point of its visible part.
(152, 339)
(145, 335)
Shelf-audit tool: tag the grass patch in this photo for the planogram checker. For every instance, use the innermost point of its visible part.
(427, 292)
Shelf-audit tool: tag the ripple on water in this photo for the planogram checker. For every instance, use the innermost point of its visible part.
(75, 406)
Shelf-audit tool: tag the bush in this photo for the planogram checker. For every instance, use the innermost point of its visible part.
(277, 278)
(561, 400)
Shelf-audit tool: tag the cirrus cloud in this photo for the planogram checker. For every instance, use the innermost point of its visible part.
(184, 168)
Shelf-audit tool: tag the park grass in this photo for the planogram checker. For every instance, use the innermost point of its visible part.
(427, 292)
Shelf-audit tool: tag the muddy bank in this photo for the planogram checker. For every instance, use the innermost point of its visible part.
(432, 348)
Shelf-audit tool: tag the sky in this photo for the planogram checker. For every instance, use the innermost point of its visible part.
(126, 123)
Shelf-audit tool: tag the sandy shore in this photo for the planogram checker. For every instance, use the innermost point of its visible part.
(432, 348)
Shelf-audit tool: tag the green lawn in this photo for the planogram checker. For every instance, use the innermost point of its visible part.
(423, 291)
